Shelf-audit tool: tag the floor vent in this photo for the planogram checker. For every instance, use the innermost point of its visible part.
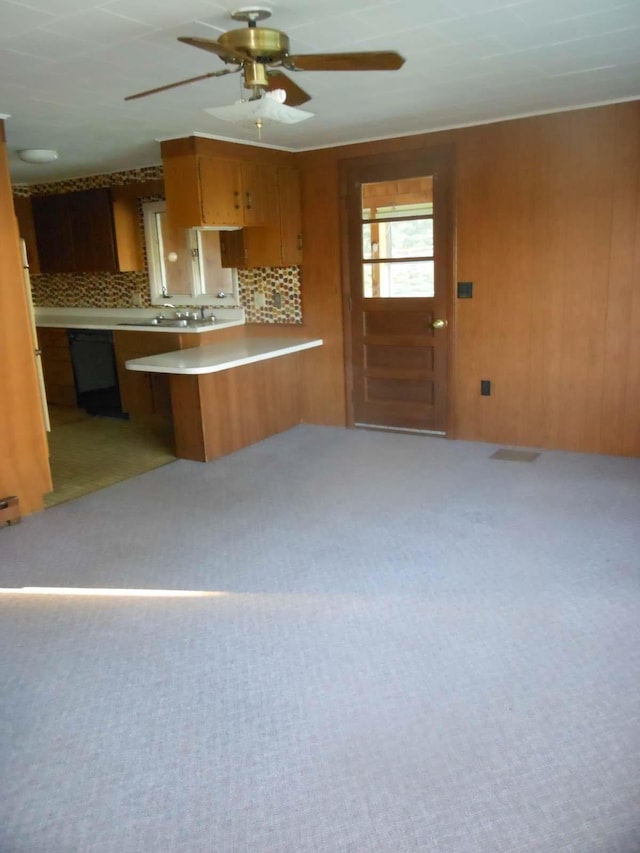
(515, 455)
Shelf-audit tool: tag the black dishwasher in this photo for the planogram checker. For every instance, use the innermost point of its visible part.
(94, 371)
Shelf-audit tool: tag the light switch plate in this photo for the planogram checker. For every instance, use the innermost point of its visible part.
(258, 299)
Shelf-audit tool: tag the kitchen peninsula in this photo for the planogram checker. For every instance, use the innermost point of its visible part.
(222, 384)
(142, 396)
(228, 395)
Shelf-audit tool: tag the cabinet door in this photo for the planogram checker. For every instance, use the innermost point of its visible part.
(56, 367)
(259, 193)
(143, 395)
(26, 227)
(92, 231)
(290, 215)
(232, 249)
(221, 191)
(277, 244)
(74, 232)
(126, 222)
(53, 233)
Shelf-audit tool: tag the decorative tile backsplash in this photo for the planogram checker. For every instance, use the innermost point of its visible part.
(125, 289)
(280, 285)
(90, 290)
(91, 182)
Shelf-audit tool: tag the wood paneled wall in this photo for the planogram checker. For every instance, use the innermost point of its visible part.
(24, 460)
(548, 229)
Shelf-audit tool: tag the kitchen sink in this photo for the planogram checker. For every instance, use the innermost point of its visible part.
(170, 322)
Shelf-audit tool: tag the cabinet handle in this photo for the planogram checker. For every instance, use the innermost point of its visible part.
(299, 242)
(248, 201)
(236, 199)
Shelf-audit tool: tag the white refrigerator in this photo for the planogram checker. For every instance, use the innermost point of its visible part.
(34, 337)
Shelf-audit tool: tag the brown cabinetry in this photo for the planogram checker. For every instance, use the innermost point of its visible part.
(216, 191)
(280, 242)
(210, 183)
(56, 367)
(289, 195)
(75, 232)
(143, 395)
(86, 231)
(24, 215)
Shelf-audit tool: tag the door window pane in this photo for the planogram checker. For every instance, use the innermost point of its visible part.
(396, 280)
(397, 239)
(408, 238)
(392, 199)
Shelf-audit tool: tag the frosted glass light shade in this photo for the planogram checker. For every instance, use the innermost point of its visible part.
(262, 109)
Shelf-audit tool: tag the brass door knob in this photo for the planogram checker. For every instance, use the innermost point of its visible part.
(439, 324)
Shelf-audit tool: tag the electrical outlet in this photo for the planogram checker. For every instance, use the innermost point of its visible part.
(258, 299)
(136, 299)
(277, 299)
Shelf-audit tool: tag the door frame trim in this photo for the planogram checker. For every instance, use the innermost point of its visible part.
(446, 154)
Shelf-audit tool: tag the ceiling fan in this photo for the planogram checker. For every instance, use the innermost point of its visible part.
(262, 54)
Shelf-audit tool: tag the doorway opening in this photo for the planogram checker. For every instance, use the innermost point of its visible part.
(88, 452)
(398, 274)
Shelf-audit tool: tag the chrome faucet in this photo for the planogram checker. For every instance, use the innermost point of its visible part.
(165, 305)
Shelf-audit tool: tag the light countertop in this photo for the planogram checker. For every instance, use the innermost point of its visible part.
(125, 319)
(213, 358)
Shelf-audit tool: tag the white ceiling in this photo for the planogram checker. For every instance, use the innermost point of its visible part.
(66, 66)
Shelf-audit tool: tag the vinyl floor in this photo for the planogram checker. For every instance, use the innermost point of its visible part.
(89, 452)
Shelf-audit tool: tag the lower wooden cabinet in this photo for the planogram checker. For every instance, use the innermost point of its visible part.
(144, 395)
(56, 367)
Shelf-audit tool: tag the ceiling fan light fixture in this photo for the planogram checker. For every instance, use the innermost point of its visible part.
(38, 155)
(270, 107)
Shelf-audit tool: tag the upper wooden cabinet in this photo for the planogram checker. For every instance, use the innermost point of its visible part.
(214, 183)
(26, 228)
(74, 232)
(203, 190)
(289, 196)
(278, 244)
(86, 231)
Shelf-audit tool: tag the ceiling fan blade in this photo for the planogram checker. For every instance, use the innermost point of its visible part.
(179, 83)
(377, 60)
(225, 53)
(295, 95)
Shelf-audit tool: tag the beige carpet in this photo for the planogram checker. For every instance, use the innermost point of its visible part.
(88, 453)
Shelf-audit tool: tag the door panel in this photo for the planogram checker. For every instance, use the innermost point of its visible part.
(400, 279)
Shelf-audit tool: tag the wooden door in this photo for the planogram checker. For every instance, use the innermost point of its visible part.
(399, 270)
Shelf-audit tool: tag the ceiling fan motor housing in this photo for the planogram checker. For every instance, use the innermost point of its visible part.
(258, 43)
